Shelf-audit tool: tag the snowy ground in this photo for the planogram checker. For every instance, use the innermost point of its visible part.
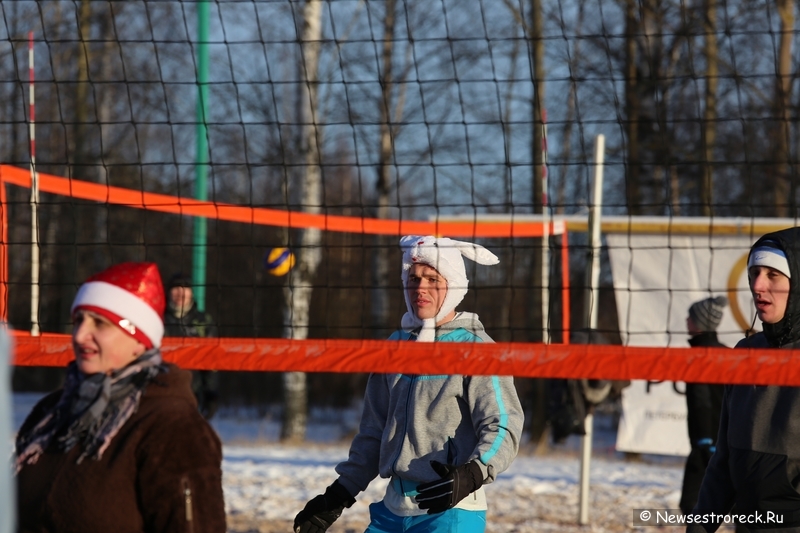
(267, 483)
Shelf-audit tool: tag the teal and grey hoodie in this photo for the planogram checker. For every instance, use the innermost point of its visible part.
(410, 420)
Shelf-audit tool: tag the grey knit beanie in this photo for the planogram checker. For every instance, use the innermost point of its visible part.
(707, 314)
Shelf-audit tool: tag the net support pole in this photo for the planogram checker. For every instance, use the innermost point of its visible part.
(200, 226)
(565, 310)
(545, 239)
(8, 507)
(3, 250)
(590, 310)
(34, 199)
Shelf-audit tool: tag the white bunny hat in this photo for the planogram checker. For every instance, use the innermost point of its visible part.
(445, 255)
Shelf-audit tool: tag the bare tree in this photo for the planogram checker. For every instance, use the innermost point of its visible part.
(574, 61)
(632, 105)
(540, 246)
(710, 108)
(784, 184)
(383, 186)
(297, 294)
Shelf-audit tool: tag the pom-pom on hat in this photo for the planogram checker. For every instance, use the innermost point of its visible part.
(446, 256)
(707, 314)
(131, 296)
(770, 254)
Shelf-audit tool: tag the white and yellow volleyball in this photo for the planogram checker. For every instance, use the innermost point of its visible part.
(278, 261)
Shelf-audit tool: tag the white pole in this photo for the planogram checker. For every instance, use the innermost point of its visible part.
(590, 306)
(34, 202)
(545, 239)
(595, 213)
(8, 499)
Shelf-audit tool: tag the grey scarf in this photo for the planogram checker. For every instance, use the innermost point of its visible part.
(91, 410)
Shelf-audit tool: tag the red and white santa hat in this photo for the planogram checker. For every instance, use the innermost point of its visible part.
(131, 296)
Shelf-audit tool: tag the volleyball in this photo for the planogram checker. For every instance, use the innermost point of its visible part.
(278, 261)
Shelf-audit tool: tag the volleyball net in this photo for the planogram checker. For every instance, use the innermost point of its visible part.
(204, 135)
(562, 360)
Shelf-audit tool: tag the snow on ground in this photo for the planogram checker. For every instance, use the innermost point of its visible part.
(266, 483)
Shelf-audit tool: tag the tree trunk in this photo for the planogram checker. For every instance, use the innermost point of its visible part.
(380, 262)
(297, 294)
(537, 42)
(632, 106)
(77, 231)
(506, 316)
(710, 111)
(566, 152)
(783, 85)
(536, 332)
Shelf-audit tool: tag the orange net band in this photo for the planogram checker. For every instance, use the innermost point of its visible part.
(85, 190)
(704, 365)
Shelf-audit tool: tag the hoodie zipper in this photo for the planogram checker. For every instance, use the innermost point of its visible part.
(187, 500)
(409, 395)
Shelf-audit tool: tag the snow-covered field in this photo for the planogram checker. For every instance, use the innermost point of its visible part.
(266, 483)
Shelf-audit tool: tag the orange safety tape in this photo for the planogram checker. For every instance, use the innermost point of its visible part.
(704, 365)
(270, 217)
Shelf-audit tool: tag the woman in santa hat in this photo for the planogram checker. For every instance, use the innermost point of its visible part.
(122, 447)
(438, 439)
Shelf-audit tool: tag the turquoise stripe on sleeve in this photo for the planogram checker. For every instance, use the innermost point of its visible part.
(501, 435)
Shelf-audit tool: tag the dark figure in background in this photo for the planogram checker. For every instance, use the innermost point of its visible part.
(703, 401)
(184, 319)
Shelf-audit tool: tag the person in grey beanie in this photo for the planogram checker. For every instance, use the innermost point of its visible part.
(703, 400)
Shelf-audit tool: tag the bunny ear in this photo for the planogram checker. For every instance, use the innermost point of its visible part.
(409, 241)
(476, 252)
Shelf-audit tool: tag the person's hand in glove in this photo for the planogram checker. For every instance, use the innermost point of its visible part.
(706, 448)
(323, 510)
(457, 483)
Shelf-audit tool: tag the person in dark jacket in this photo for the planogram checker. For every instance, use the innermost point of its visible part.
(756, 465)
(121, 447)
(703, 400)
(184, 319)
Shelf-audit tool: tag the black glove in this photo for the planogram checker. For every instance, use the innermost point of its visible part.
(323, 510)
(706, 449)
(457, 483)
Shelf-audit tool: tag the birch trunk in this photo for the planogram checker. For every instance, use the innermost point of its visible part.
(298, 292)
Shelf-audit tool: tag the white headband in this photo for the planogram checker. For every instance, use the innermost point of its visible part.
(770, 257)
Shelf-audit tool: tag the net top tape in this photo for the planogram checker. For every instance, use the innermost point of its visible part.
(703, 365)
(97, 192)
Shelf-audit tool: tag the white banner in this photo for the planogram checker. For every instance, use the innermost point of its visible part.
(654, 419)
(656, 279)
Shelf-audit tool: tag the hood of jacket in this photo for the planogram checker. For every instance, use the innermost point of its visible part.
(467, 321)
(787, 330)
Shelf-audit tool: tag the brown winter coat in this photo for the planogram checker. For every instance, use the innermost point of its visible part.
(161, 473)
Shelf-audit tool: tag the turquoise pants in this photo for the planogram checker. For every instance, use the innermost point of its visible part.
(382, 520)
